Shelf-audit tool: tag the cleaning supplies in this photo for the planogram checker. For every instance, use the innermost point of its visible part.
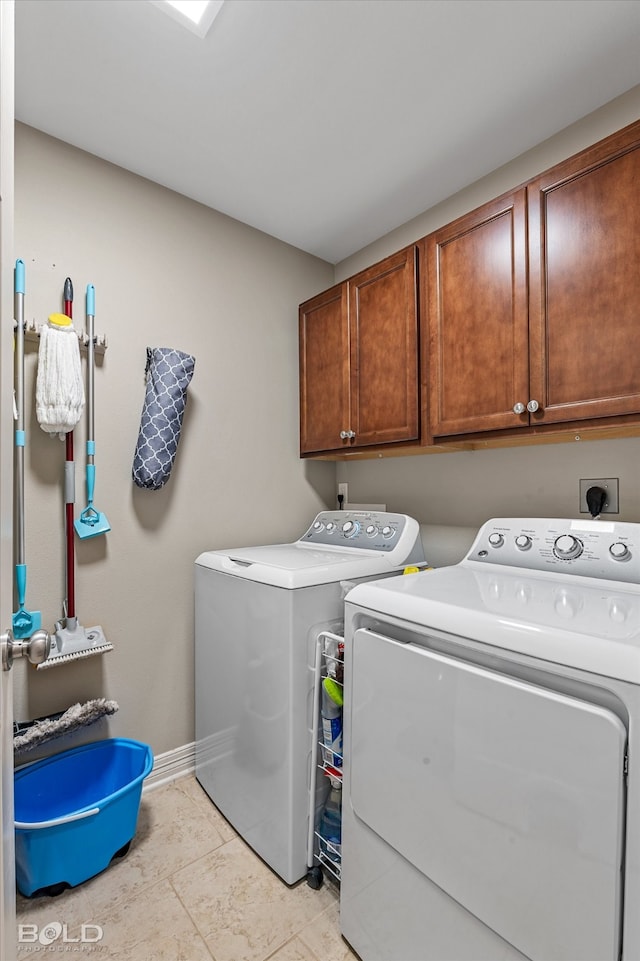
(59, 386)
(71, 641)
(33, 734)
(331, 714)
(330, 827)
(25, 623)
(91, 522)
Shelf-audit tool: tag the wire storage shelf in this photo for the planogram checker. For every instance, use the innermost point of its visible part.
(323, 852)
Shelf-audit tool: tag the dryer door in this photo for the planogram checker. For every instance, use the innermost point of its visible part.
(508, 796)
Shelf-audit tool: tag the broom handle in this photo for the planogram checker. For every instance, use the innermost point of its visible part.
(69, 489)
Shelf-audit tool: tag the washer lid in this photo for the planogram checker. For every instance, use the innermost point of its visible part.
(297, 565)
(591, 625)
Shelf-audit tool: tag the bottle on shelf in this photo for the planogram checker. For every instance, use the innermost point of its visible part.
(330, 827)
(331, 728)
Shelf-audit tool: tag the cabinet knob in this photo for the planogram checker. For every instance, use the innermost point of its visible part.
(518, 408)
(532, 406)
(347, 434)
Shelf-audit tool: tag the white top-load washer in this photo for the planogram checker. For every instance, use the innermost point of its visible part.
(491, 798)
(258, 611)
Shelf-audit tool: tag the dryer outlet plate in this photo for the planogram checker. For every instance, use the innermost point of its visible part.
(610, 484)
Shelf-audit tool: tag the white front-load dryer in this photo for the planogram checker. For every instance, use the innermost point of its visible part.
(491, 790)
(258, 611)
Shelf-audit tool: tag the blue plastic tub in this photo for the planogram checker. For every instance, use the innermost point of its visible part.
(75, 811)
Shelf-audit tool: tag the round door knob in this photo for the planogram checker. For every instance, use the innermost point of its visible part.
(496, 540)
(533, 406)
(619, 551)
(523, 542)
(567, 546)
(35, 648)
(344, 435)
(518, 408)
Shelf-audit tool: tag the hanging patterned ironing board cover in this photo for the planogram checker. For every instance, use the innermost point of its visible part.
(168, 375)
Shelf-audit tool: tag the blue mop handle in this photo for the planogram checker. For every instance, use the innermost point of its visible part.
(91, 300)
(19, 279)
(91, 480)
(21, 583)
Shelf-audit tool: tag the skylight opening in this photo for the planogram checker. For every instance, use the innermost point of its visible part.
(192, 9)
(195, 15)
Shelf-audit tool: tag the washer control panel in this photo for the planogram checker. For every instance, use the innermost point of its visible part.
(588, 548)
(365, 530)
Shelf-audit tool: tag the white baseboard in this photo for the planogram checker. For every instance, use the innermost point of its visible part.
(171, 765)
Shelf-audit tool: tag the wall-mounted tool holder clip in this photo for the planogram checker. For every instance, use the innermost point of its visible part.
(32, 336)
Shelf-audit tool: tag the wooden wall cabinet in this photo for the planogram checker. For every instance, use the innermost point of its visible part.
(359, 380)
(478, 326)
(584, 280)
(534, 300)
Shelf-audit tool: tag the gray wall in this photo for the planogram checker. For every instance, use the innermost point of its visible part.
(467, 488)
(167, 272)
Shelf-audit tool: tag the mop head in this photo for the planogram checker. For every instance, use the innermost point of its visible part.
(70, 644)
(46, 728)
(59, 383)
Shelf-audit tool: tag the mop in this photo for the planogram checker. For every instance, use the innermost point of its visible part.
(91, 522)
(28, 736)
(25, 623)
(62, 374)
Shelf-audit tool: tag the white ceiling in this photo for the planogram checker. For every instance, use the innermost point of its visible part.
(325, 123)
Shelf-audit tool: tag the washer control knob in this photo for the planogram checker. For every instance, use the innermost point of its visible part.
(350, 528)
(567, 547)
(496, 540)
(619, 551)
(523, 542)
(318, 526)
(331, 527)
(371, 530)
(388, 531)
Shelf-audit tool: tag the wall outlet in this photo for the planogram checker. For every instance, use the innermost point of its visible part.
(343, 489)
(609, 484)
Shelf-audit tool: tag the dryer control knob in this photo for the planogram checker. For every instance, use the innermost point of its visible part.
(619, 551)
(567, 546)
(523, 542)
(496, 540)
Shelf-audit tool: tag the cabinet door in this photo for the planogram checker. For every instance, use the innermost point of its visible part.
(383, 321)
(584, 239)
(478, 328)
(324, 370)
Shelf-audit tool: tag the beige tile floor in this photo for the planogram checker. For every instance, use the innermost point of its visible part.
(188, 890)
